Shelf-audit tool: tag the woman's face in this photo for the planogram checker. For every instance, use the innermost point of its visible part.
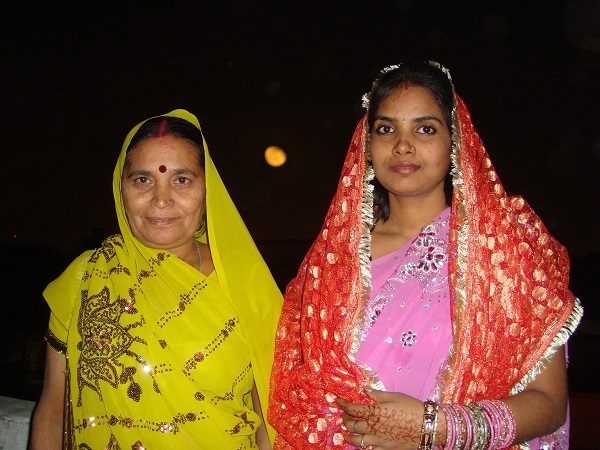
(410, 143)
(164, 192)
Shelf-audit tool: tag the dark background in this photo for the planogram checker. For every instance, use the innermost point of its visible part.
(76, 76)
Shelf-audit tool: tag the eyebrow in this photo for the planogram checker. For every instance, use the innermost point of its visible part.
(183, 171)
(139, 172)
(416, 119)
(145, 172)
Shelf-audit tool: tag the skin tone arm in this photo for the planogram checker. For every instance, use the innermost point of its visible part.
(394, 422)
(47, 421)
(262, 438)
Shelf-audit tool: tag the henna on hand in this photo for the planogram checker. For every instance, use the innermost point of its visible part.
(394, 425)
(395, 418)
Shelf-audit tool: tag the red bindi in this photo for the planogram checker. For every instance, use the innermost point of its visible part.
(162, 169)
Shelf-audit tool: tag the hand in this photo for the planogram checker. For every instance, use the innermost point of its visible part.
(394, 422)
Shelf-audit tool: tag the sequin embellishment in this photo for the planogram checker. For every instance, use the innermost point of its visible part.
(103, 341)
(431, 250)
(408, 338)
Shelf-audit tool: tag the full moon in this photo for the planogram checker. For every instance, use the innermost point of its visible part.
(275, 156)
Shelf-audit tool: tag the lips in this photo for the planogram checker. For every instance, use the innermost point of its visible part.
(404, 167)
(161, 221)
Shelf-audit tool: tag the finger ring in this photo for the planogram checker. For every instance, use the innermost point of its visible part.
(355, 426)
(362, 441)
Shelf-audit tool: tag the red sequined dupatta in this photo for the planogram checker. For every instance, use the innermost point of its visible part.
(511, 307)
(313, 365)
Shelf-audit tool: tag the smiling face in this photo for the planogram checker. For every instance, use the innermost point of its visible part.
(410, 144)
(164, 191)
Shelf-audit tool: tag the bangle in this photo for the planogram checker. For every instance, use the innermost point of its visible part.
(485, 425)
(481, 427)
(429, 427)
(501, 421)
(451, 426)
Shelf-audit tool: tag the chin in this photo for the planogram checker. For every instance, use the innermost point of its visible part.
(159, 242)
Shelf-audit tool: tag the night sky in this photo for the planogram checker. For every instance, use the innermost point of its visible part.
(76, 76)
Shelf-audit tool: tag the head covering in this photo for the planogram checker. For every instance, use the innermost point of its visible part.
(124, 277)
(510, 303)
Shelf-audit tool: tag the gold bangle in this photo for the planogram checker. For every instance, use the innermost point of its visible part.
(429, 427)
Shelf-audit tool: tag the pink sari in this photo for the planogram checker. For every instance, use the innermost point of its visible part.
(407, 331)
(508, 290)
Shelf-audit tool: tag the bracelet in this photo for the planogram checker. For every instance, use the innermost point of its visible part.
(502, 423)
(485, 425)
(429, 427)
(451, 426)
(481, 427)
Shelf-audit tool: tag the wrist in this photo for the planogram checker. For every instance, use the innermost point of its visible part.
(488, 424)
(429, 426)
(442, 428)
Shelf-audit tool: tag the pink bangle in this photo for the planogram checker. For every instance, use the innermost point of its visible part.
(468, 422)
(485, 425)
(502, 423)
(493, 423)
(451, 426)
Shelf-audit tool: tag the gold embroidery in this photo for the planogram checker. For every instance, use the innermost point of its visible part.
(103, 341)
(108, 248)
(198, 357)
(112, 445)
(184, 301)
(230, 395)
(243, 423)
(171, 426)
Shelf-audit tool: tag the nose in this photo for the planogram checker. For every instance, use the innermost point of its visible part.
(162, 197)
(403, 147)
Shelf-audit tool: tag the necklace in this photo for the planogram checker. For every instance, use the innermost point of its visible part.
(199, 256)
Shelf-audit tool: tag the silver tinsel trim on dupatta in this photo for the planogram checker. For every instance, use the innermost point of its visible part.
(364, 250)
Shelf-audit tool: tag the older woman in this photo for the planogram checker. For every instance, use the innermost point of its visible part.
(162, 338)
(418, 318)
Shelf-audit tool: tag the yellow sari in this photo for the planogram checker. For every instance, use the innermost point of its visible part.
(159, 355)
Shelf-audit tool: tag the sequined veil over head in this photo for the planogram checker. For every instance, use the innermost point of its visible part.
(510, 304)
(160, 355)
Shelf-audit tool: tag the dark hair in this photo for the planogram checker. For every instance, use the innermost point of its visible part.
(422, 73)
(167, 125)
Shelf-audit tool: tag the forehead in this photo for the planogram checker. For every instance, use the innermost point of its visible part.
(411, 98)
(167, 150)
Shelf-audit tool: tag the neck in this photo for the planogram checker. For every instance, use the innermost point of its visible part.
(409, 215)
(190, 254)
